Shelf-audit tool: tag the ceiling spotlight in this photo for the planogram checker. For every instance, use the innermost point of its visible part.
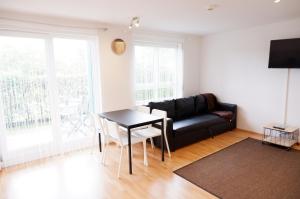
(135, 22)
(276, 1)
(211, 7)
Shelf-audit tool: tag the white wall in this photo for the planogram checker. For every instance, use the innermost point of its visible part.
(191, 70)
(116, 74)
(234, 66)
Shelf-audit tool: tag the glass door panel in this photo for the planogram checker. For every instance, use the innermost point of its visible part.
(24, 93)
(72, 65)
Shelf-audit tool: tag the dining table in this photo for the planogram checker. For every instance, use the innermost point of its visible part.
(131, 119)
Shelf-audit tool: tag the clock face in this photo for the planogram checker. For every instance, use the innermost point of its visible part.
(118, 46)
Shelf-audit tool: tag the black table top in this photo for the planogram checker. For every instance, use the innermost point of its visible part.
(130, 118)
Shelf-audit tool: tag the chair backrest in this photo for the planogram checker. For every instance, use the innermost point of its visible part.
(97, 122)
(100, 124)
(161, 113)
(113, 130)
(143, 109)
(103, 125)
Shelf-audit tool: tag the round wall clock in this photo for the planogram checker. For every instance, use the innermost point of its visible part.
(118, 46)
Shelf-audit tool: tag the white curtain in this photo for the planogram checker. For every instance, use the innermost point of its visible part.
(158, 72)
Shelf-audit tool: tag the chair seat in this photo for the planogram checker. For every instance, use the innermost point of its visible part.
(134, 138)
(149, 132)
(134, 129)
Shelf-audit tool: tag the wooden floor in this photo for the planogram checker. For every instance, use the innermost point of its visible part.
(80, 174)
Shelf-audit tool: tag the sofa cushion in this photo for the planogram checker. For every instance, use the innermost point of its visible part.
(168, 105)
(228, 115)
(200, 104)
(185, 107)
(211, 101)
(196, 122)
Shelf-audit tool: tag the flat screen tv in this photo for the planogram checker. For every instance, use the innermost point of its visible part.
(285, 53)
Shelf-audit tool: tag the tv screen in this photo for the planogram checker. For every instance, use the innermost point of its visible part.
(285, 53)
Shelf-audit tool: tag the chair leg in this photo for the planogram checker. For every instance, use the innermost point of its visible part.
(145, 153)
(120, 161)
(167, 144)
(104, 153)
(152, 145)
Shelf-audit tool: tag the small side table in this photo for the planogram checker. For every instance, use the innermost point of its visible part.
(283, 137)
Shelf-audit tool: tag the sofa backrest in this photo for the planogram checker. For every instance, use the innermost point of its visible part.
(200, 104)
(167, 105)
(185, 107)
(182, 108)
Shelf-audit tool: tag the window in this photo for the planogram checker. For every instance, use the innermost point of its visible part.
(47, 93)
(158, 72)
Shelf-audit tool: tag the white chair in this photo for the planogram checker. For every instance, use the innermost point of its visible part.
(142, 109)
(98, 127)
(101, 129)
(146, 110)
(121, 138)
(154, 132)
(106, 137)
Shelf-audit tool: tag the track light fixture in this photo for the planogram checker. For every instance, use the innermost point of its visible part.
(135, 22)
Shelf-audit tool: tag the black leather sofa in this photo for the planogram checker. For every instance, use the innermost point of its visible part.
(193, 119)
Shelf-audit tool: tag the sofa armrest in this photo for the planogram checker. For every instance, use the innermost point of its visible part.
(229, 107)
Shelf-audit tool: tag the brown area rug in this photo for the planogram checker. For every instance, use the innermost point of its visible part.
(247, 169)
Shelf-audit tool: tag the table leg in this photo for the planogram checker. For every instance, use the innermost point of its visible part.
(129, 151)
(100, 144)
(162, 141)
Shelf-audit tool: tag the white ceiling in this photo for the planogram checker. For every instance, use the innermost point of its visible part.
(186, 16)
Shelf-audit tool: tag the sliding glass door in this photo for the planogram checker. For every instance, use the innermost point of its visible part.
(46, 90)
(73, 74)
